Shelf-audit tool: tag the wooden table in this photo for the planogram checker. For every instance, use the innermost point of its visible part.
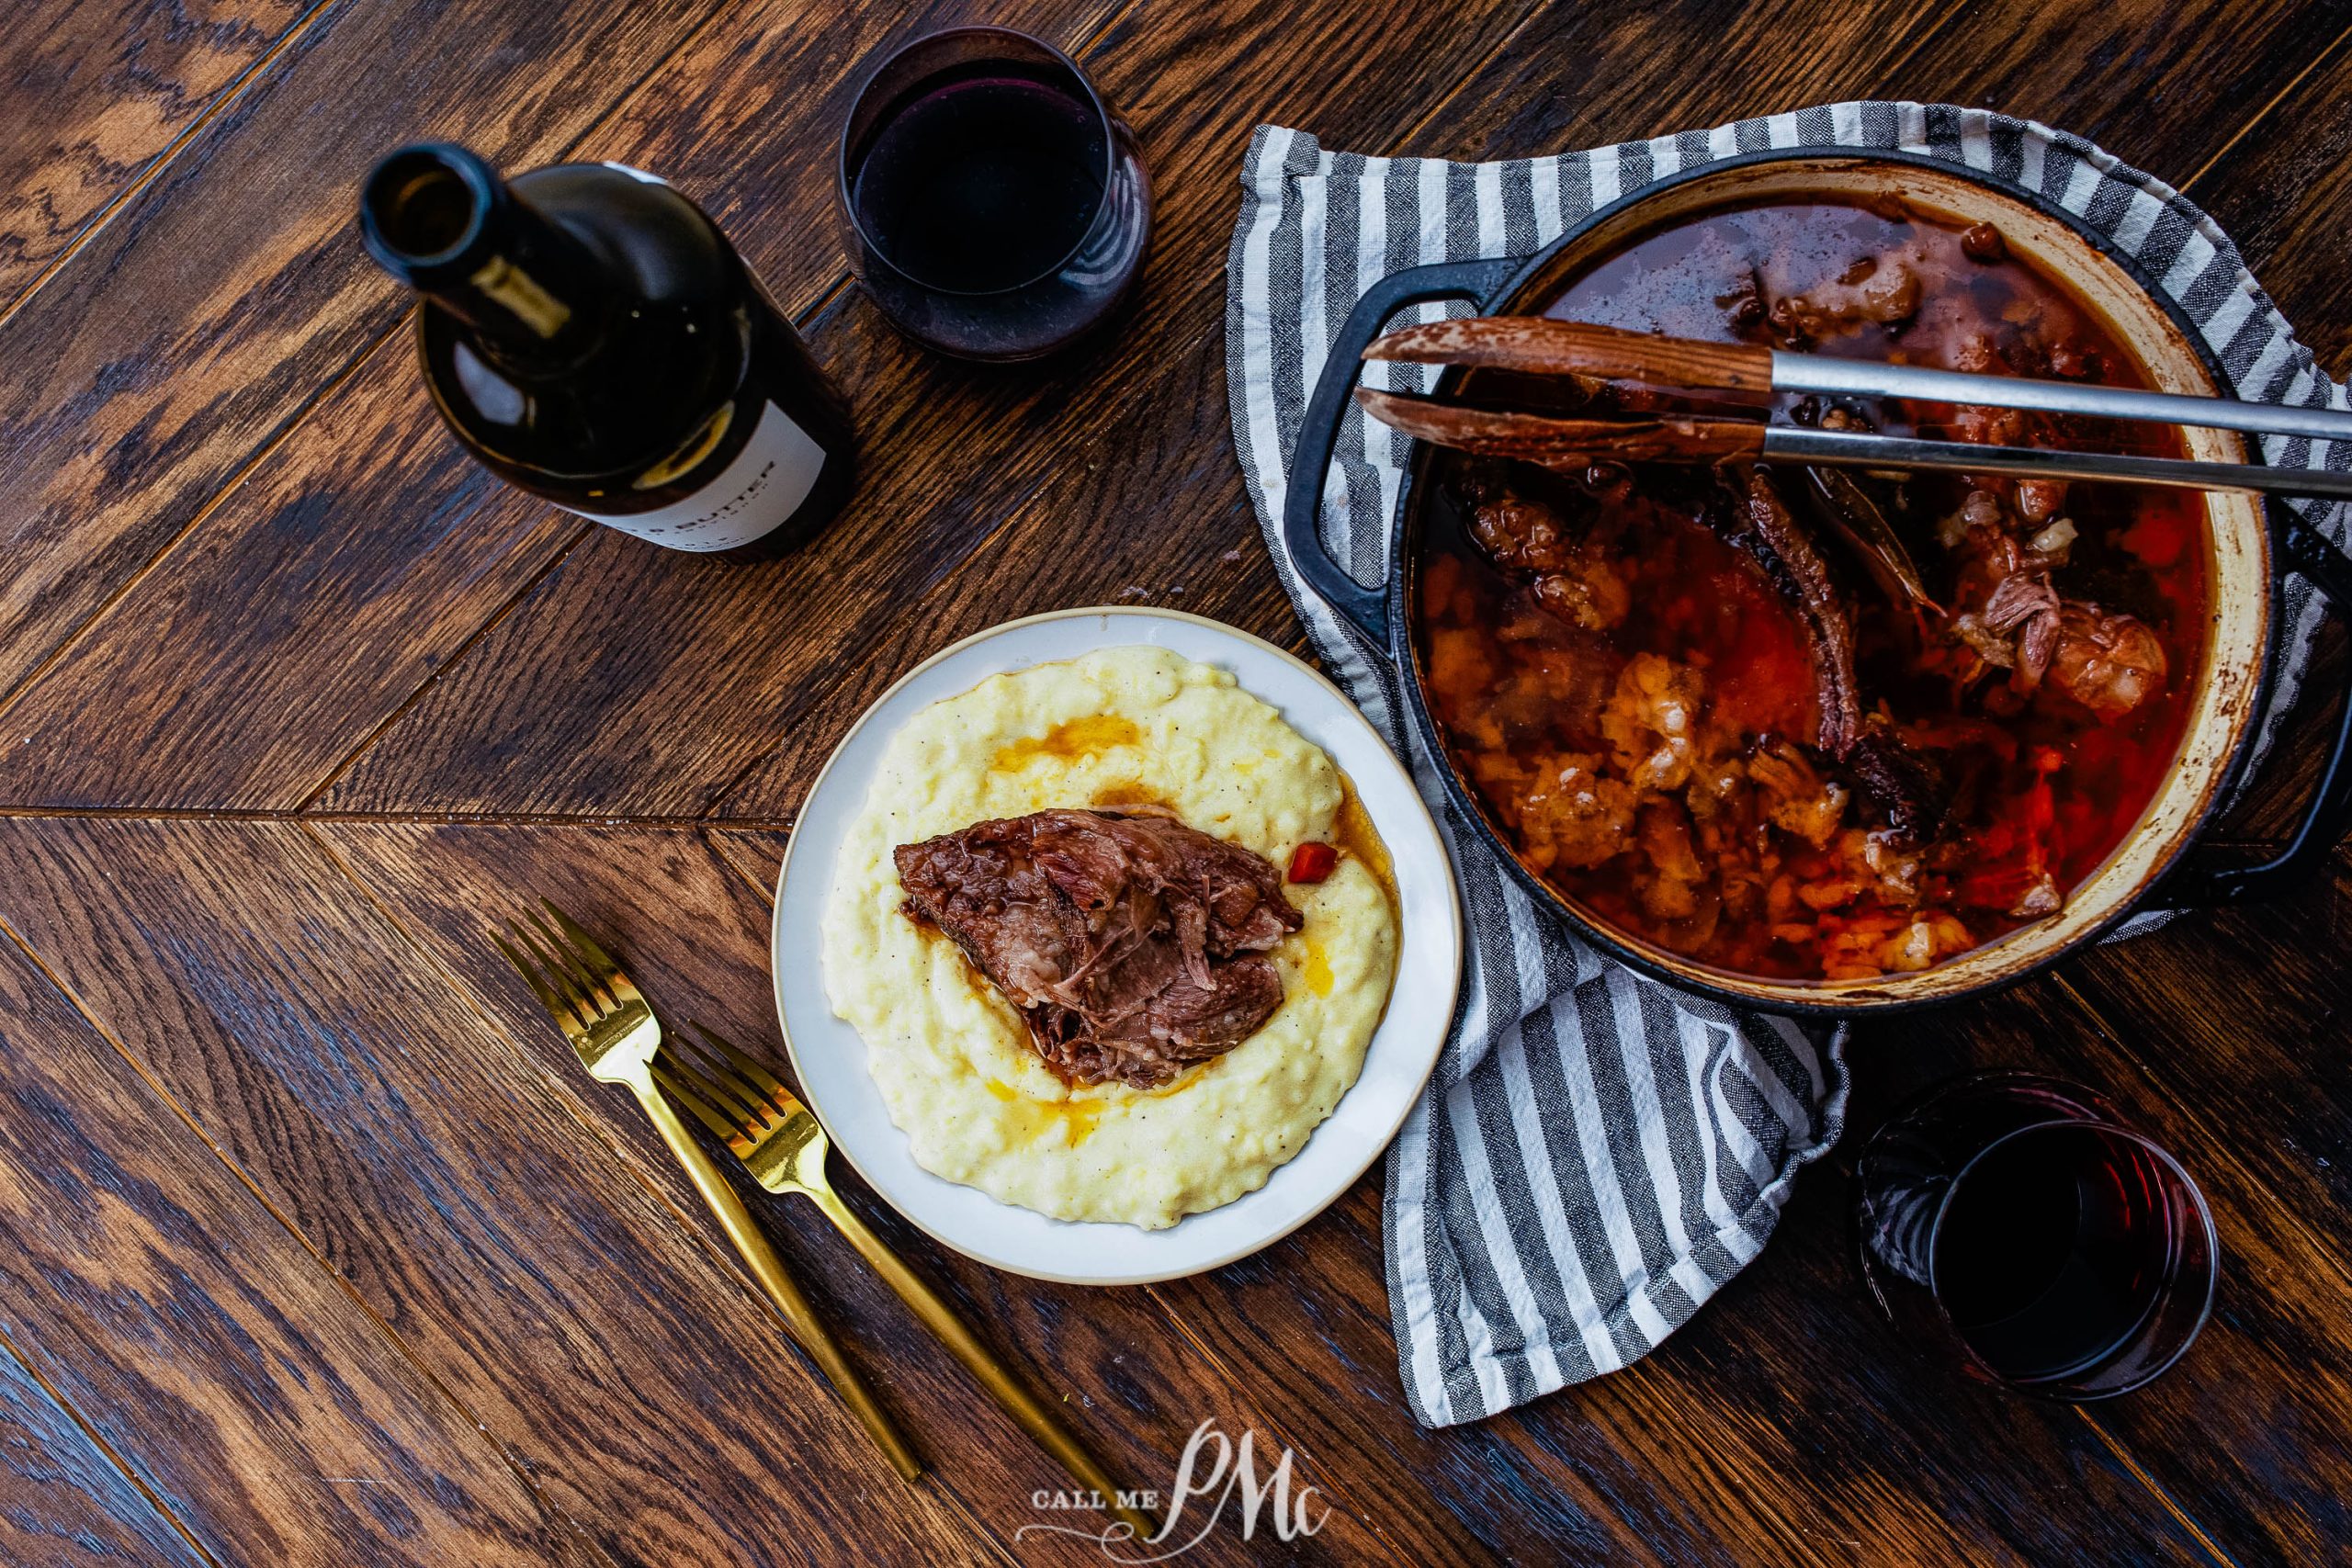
(315, 1245)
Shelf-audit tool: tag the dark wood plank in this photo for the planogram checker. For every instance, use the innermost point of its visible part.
(378, 547)
(63, 1502)
(325, 588)
(756, 853)
(531, 1272)
(670, 670)
(1189, 541)
(234, 1376)
(1614, 1492)
(95, 95)
(2250, 1437)
(695, 937)
(2160, 86)
(223, 297)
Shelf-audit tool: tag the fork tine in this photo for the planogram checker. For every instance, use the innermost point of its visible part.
(575, 1004)
(558, 977)
(540, 988)
(749, 1107)
(682, 1085)
(767, 1081)
(773, 1107)
(616, 978)
(581, 939)
(575, 967)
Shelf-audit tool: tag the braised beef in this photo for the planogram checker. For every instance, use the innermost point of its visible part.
(1130, 943)
(1903, 781)
(1858, 740)
(1768, 530)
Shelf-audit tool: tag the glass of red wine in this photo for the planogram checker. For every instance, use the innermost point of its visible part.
(2013, 1221)
(995, 209)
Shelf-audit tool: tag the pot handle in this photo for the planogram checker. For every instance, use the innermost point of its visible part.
(2305, 550)
(1318, 430)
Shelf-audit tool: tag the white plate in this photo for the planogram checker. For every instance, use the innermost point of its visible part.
(831, 1058)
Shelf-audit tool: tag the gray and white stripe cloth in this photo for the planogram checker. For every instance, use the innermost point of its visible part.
(1597, 1154)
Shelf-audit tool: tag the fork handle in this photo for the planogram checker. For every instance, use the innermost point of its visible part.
(766, 1268)
(993, 1375)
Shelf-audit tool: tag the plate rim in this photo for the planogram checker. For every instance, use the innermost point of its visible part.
(1377, 1147)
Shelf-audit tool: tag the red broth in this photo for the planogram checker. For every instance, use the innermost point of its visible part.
(1564, 621)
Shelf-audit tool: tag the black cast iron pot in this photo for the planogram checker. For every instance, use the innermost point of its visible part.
(2248, 546)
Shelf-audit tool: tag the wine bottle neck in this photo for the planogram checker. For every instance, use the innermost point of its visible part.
(440, 220)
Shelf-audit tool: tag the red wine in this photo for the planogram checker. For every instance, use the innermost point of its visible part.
(2055, 1248)
(2011, 1220)
(995, 209)
(982, 183)
(590, 336)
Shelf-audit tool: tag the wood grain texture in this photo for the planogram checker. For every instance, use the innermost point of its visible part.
(2239, 1019)
(323, 590)
(96, 94)
(65, 1502)
(379, 549)
(234, 1377)
(221, 299)
(687, 698)
(2162, 86)
(1509, 1488)
(694, 935)
(563, 1301)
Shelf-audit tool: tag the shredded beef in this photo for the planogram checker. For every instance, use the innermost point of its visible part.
(1130, 943)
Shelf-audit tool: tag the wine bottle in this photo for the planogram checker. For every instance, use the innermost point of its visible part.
(592, 338)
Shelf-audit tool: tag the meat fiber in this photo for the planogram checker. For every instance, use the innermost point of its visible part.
(1790, 557)
(1130, 943)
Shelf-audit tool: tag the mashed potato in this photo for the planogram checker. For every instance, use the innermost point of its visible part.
(951, 1056)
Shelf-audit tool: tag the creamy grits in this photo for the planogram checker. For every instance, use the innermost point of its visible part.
(1118, 727)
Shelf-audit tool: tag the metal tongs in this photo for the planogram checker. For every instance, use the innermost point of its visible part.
(1536, 345)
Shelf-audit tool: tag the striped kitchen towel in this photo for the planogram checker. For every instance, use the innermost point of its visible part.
(1597, 1154)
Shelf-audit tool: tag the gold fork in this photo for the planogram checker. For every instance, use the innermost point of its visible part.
(781, 1144)
(612, 1027)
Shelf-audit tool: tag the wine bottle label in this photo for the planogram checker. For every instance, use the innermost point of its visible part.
(751, 496)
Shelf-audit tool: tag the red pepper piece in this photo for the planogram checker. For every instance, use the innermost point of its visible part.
(1313, 863)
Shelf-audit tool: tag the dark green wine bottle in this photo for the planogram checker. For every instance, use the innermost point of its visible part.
(592, 338)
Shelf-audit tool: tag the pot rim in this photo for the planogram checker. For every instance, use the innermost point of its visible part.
(1728, 986)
